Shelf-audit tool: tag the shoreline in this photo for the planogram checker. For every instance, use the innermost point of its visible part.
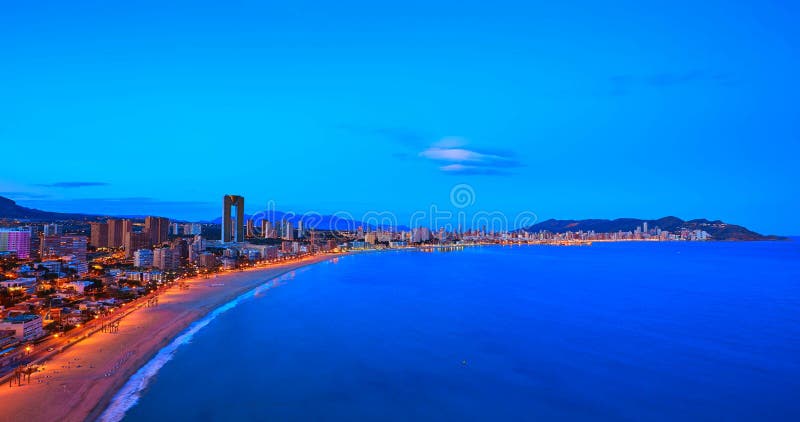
(67, 390)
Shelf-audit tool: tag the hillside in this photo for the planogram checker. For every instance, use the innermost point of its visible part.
(718, 230)
(10, 210)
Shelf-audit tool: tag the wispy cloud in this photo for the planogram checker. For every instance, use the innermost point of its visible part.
(456, 157)
(72, 184)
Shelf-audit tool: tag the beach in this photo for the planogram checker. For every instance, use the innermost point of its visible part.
(78, 383)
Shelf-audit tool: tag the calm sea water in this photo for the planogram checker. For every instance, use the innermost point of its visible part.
(620, 331)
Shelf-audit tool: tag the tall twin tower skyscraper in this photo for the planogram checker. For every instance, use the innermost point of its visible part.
(229, 232)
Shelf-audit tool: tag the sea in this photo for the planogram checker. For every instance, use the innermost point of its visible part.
(629, 331)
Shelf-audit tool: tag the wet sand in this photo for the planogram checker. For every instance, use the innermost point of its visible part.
(78, 383)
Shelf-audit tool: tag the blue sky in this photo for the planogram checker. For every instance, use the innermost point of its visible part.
(568, 110)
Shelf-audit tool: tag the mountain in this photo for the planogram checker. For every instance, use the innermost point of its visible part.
(718, 230)
(10, 210)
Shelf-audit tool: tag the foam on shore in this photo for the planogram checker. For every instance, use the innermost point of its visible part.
(129, 394)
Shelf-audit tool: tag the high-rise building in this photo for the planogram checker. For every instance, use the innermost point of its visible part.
(36, 232)
(99, 236)
(251, 229)
(116, 231)
(232, 231)
(66, 246)
(207, 260)
(53, 229)
(192, 229)
(288, 231)
(62, 244)
(267, 230)
(143, 258)
(420, 234)
(16, 240)
(134, 241)
(644, 227)
(166, 259)
(157, 228)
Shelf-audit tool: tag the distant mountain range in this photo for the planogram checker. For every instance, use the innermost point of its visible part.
(10, 210)
(718, 230)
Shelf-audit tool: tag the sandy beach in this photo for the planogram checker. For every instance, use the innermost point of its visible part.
(78, 383)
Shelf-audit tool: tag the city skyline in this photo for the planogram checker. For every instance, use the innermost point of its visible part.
(568, 111)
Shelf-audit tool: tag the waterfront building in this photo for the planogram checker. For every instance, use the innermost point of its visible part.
(420, 234)
(288, 231)
(251, 229)
(207, 260)
(267, 229)
(26, 327)
(232, 231)
(166, 259)
(7, 339)
(17, 241)
(228, 263)
(143, 258)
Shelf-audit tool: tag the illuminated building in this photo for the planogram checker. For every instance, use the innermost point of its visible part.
(26, 327)
(207, 260)
(232, 232)
(52, 229)
(69, 246)
(99, 235)
(116, 232)
(288, 231)
(157, 228)
(16, 240)
(251, 229)
(143, 258)
(420, 234)
(135, 241)
(267, 230)
(192, 229)
(166, 259)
